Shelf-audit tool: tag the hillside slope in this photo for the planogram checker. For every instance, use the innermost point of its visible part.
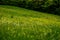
(23, 24)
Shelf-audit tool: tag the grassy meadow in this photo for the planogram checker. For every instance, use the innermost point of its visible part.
(23, 24)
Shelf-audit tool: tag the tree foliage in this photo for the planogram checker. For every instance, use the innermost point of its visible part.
(51, 6)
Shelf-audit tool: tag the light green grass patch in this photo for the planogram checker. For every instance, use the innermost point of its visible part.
(23, 24)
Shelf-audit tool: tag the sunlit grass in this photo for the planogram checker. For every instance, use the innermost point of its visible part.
(22, 24)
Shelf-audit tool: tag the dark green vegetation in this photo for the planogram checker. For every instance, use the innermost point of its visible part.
(22, 24)
(50, 6)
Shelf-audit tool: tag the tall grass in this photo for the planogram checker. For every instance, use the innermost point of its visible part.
(22, 24)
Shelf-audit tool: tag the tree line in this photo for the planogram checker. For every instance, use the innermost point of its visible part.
(50, 6)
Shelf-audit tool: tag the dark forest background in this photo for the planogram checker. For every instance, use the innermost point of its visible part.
(49, 6)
